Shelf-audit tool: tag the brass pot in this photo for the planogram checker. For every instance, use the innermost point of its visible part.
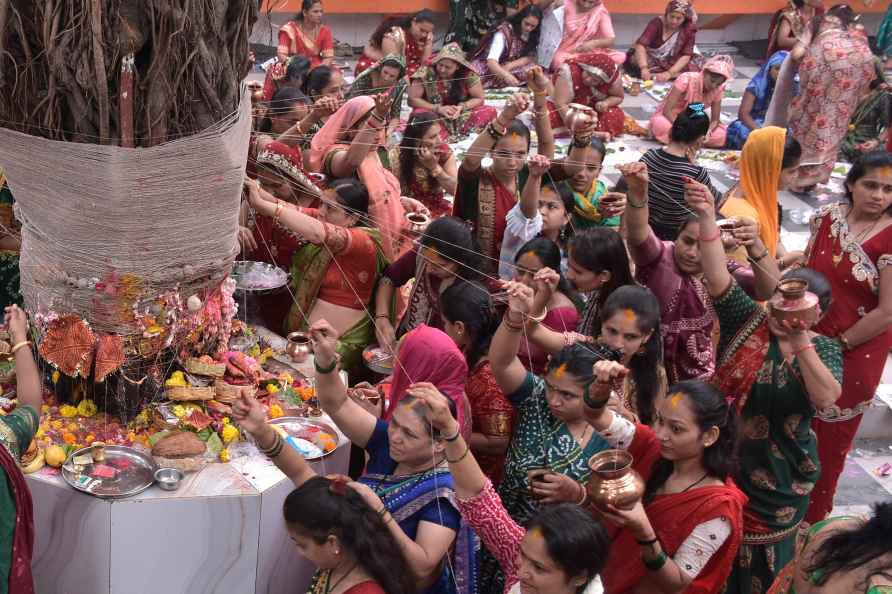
(298, 347)
(794, 305)
(577, 116)
(417, 222)
(614, 481)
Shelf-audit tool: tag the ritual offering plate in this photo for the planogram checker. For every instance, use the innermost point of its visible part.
(311, 438)
(122, 471)
(378, 360)
(258, 277)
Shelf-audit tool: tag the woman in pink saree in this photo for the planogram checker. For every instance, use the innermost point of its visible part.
(587, 28)
(834, 74)
(344, 148)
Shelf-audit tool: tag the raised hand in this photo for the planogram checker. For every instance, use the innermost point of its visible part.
(437, 407)
(325, 341)
(383, 101)
(699, 198)
(539, 165)
(16, 323)
(248, 413)
(427, 157)
(536, 80)
(520, 296)
(636, 176)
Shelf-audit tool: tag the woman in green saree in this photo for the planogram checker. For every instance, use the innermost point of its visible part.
(10, 244)
(335, 275)
(870, 123)
(389, 73)
(777, 375)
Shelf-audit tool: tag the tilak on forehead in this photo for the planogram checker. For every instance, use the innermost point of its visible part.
(885, 170)
(675, 398)
(630, 315)
(560, 371)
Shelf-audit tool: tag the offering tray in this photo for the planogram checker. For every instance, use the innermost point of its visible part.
(300, 428)
(135, 472)
(258, 278)
(378, 360)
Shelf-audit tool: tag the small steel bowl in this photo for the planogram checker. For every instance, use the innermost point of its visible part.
(168, 478)
(417, 222)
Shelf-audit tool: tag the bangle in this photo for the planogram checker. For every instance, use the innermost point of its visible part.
(279, 207)
(382, 316)
(581, 141)
(510, 325)
(803, 349)
(584, 494)
(539, 318)
(386, 516)
(495, 134)
(758, 258)
(375, 116)
(632, 203)
(325, 370)
(646, 543)
(19, 345)
(454, 437)
(275, 449)
(460, 458)
(713, 237)
(655, 564)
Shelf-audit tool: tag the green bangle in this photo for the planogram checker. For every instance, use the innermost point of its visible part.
(656, 564)
(325, 370)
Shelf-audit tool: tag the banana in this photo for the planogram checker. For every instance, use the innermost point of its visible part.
(35, 464)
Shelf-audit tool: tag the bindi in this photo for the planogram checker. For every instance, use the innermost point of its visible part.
(630, 315)
(560, 371)
(674, 399)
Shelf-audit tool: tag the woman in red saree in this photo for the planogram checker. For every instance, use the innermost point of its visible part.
(594, 80)
(852, 245)
(683, 536)
(485, 195)
(470, 321)
(307, 36)
(411, 37)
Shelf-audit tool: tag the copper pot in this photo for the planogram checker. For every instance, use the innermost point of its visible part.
(577, 116)
(614, 481)
(794, 305)
(417, 222)
(298, 347)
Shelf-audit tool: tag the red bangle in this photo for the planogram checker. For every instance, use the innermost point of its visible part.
(802, 349)
(716, 235)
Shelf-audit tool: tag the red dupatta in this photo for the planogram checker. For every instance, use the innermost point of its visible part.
(736, 371)
(673, 518)
(20, 579)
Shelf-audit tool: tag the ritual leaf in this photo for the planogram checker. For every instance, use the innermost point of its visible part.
(68, 344)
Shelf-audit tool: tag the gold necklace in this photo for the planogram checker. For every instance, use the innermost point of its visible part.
(837, 258)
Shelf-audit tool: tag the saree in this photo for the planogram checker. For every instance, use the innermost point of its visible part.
(797, 18)
(871, 121)
(294, 41)
(421, 185)
(663, 54)
(884, 35)
(308, 269)
(491, 415)
(514, 48)
(604, 69)
(587, 208)
(406, 497)
(673, 518)
(385, 208)
(428, 355)
(424, 298)
(761, 87)
(363, 84)
(9, 259)
(853, 270)
(837, 69)
(778, 451)
(483, 201)
(17, 429)
(690, 85)
(580, 28)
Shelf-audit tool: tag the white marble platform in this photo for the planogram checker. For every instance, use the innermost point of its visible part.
(221, 532)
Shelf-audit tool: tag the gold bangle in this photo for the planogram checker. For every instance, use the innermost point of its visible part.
(539, 318)
(279, 207)
(19, 345)
(540, 93)
(460, 458)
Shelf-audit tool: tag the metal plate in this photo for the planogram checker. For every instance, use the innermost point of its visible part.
(296, 426)
(378, 360)
(273, 277)
(136, 472)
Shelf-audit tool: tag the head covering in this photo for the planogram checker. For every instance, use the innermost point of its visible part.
(598, 64)
(454, 52)
(396, 60)
(681, 6)
(428, 355)
(721, 64)
(385, 208)
(760, 167)
(761, 84)
(288, 162)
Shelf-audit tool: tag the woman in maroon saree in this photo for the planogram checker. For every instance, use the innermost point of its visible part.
(593, 80)
(666, 47)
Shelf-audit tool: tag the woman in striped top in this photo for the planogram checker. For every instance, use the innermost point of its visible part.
(669, 165)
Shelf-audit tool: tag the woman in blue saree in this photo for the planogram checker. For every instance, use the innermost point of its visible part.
(756, 99)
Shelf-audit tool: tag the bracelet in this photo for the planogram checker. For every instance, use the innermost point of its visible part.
(510, 325)
(645, 543)
(460, 458)
(713, 237)
(382, 119)
(325, 370)
(495, 134)
(584, 494)
(382, 316)
(275, 449)
(384, 513)
(634, 205)
(581, 142)
(655, 564)
(803, 349)
(539, 318)
(758, 258)
(279, 207)
(454, 437)
(19, 345)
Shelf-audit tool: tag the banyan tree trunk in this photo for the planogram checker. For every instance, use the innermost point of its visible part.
(122, 72)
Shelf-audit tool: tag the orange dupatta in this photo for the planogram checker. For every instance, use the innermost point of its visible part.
(385, 208)
(760, 168)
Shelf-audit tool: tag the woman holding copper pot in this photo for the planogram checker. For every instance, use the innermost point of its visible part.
(777, 373)
(684, 534)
